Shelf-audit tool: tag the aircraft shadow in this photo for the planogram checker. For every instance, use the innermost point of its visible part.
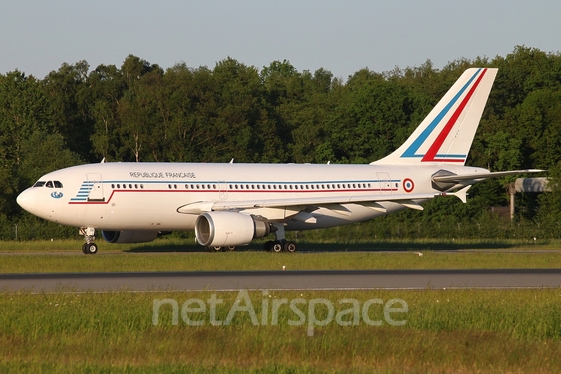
(378, 246)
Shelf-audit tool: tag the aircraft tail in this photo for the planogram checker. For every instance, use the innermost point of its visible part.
(446, 134)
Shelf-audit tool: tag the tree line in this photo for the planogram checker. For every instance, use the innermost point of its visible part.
(277, 114)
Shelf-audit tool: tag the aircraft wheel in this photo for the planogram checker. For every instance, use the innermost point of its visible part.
(215, 249)
(91, 248)
(277, 247)
(290, 247)
(231, 248)
(84, 250)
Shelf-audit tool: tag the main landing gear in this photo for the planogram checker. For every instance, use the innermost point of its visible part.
(280, 244)
(89, 247)
(229, 248)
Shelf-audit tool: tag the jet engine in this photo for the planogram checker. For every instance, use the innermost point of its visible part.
(221, 229)
(128, 236)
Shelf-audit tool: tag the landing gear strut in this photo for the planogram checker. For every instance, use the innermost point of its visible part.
(89, 247)
(280, 243)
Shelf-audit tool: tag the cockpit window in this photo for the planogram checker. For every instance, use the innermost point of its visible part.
(49, 184)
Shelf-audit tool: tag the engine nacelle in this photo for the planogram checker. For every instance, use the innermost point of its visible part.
(128, 236)
(221, 229)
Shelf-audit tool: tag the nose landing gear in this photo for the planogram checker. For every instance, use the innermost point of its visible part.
(89, 247)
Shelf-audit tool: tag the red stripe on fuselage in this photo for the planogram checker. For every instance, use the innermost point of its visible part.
(231, 192)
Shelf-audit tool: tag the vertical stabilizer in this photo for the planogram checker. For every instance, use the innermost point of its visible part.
(446, 134)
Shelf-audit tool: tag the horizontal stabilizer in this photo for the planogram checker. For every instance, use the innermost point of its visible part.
(480, 176)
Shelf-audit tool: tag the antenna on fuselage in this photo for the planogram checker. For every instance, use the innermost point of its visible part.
(232, 161)
(103, 161)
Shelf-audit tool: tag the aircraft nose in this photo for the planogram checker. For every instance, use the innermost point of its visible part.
(26, 200)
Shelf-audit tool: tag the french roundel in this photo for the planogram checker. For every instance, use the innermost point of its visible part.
(408, 185)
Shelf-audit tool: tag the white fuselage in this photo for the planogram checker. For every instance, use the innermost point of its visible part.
(147, 196)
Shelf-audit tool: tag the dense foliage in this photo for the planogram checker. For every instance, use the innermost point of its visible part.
(141, 112)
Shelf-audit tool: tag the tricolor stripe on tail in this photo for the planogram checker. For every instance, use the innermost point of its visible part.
(446, 134)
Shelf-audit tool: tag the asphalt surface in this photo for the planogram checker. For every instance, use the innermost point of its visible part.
(282, 280)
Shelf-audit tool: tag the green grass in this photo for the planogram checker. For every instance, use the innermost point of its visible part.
(446, 331)
(510, 331)
(174, 255)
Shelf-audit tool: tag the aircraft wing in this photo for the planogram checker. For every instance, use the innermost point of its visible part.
(303, 203)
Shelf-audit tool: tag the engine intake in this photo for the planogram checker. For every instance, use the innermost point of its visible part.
(220, 229)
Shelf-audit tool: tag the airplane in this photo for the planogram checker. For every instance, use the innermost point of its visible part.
(230, 204)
